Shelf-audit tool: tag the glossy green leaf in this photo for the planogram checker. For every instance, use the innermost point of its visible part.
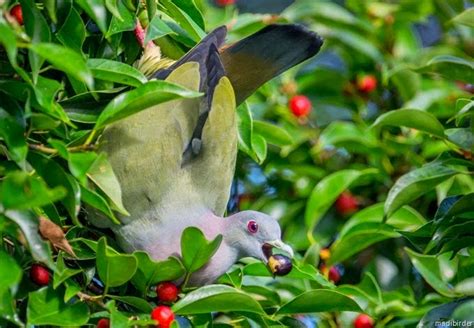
(196, 250)
(19, 190)
(114, 269)
(326, 192)
(75, 66)
(219, 298)
(273, 134)
(462, 137)
(465, 18)
(259, 146)
(136, 302)
(37, 28)
(55, 176)
(319, 300)
(145, 96)
(13, 135)
(10, 271)
(412, 118)
(450, 67)
(62, 272)
(416, 183)
(96, 10)
(366, 228)
(102, 174)
(429, 267)
(114, 71)
(151, 272)
(98, 202)
(157, 29)
(184, 20)
(28, 223)
(72, 32)
(46, 307)
(126, 21)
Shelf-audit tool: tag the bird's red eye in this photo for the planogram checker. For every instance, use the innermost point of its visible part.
(252, 226)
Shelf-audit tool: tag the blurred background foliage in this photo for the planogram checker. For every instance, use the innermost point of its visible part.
(369, 169)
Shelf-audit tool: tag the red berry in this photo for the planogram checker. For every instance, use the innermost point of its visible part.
(300, 105)
(224, 3)
(103, 323)
(163, 315)
(367, 83)
(346, 203)
(363, 321)
(39, 275)
(167, 292)
(17, 13)
(334, 275)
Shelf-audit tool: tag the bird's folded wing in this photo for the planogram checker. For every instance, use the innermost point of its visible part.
(145, 151)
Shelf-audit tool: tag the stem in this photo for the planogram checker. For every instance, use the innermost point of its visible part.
(53, 151)
(90, 138)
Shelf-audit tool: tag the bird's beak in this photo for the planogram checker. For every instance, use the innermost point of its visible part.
(269, 245)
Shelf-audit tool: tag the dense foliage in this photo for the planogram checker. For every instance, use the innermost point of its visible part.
(369, 171)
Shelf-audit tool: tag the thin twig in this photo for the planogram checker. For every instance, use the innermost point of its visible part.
(53, 151)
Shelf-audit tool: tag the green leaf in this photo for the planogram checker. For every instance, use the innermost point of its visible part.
(102, 174)
(450, 67)
(95, 9)
(74, 66)
(412, 118)
(319, 300)
(190, 8)
(37, 28)
(430, 268)
(13, 135)
(366, 228)
(136, 302)
(259, 146)
(114, 71)
(216, 298)
(461, 137)
(126, 22)
(157, 29)
(145, 96)
(95, 200)
(114, 269)
(62, 272)
(273, 134)
(19, 190)
(326, 192)
(465, 18)
(245, 127)
(73, 32)
(28, 223)
(305, 271)
(416, 183)
(465, 287)
(10, 276)
(55, 176)
(151, 272)
(184, 20)
(196, 250)
(45, 307)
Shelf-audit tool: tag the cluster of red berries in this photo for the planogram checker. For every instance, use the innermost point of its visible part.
(166, 292)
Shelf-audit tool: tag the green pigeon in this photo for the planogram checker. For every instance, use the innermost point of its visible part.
(175, 162)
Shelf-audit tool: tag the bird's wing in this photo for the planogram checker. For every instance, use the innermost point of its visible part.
(146, 149)
(252, 61)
